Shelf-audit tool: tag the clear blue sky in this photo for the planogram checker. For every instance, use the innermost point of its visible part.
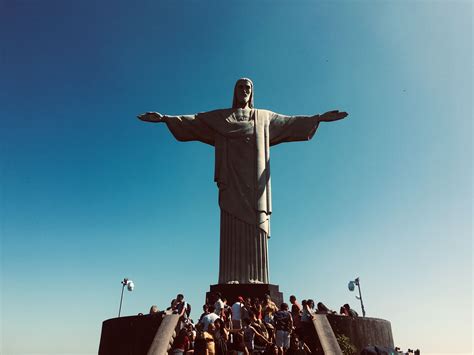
(90, 195)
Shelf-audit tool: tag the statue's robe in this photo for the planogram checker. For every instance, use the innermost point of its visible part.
(242, 174)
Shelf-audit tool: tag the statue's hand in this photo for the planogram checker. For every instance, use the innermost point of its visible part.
(151, 117)
(332, 116)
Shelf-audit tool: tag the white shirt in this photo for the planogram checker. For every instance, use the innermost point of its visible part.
(208, 319)
(219, 305)
(236, 307)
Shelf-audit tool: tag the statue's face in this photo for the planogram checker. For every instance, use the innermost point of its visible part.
(243, 92)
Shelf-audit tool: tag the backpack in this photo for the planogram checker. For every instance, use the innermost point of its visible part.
(282, 320)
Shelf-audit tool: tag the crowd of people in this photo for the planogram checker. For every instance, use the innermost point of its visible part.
(248, 326)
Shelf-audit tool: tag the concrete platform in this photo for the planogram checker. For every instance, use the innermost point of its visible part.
(138, 335)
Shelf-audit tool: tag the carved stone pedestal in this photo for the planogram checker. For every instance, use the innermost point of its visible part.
(232, 291)
(152, 334)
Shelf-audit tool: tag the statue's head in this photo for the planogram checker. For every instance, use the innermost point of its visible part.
(243, 93)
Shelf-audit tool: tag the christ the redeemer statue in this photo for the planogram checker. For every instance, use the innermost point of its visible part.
(242, 136)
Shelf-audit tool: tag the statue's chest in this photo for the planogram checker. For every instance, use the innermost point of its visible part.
(239, 124)
(241, 116)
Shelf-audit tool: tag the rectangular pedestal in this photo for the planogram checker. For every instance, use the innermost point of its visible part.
(232, 291)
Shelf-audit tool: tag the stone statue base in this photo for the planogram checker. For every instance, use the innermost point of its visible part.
(154, 334)
(232, 291)
(151, 334)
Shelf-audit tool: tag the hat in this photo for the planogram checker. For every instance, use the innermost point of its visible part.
(240, 299)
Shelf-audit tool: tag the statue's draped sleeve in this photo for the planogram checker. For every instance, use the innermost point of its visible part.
(193, 127)
(291, 128)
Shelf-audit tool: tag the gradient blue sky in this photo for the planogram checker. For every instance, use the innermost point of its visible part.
(90, 195)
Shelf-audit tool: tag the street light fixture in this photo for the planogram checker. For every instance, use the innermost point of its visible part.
(351, 287)
(130, 286)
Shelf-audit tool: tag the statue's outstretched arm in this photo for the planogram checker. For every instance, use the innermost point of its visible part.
(184, 127)
(151, 117)
(298, 128)
(158, 117)
(332, 116)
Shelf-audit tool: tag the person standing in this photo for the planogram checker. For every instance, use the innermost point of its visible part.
(221, 336)
(283, 326)
(237, 312)
(307, 326)
(179, 308)
(209, 319)
(295, 307)
(251, 335)
(268, 308)
(205, 312)
(219, 306)
(296, 314)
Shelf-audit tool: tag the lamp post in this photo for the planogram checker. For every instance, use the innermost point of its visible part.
(130, 286)
(351, 288)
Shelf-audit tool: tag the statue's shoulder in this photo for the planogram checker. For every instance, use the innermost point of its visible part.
(262, 111)
(264, 115)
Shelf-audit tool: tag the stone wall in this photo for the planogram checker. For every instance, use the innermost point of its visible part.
(363, 331)
(129, 335)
